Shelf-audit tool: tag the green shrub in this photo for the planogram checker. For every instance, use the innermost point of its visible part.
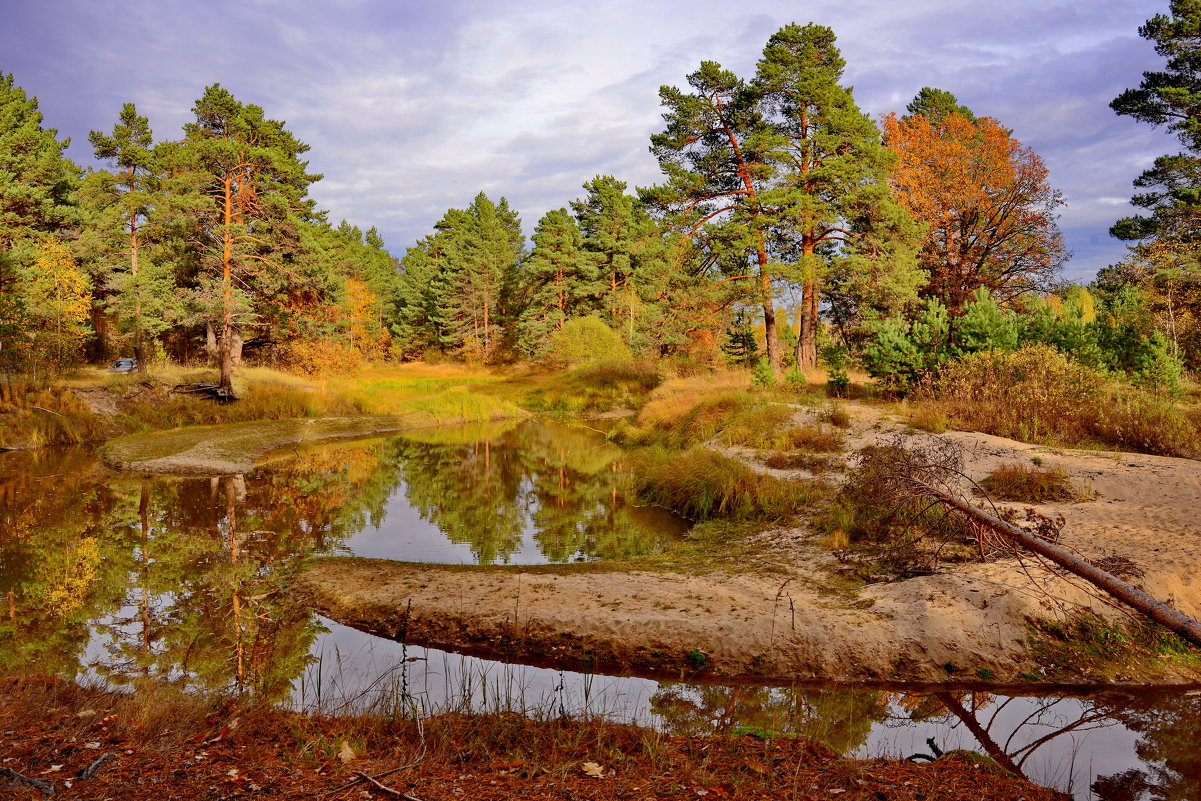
(586, 340)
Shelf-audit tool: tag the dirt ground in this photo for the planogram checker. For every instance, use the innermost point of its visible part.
(60, 740)
(969, 620)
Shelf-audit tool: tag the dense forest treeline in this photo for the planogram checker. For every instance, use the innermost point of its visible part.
(789, 228)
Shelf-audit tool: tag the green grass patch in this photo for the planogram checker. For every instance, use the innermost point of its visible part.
(1089, 645)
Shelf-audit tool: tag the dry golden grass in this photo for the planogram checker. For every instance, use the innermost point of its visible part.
(35, 417)
(674, 398)
(701, 484)
(1038, 395)
(815, 438)
(1018, 482)
(813, 463)
(928, 416)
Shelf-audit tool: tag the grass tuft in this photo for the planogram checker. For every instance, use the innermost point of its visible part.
(1017, 482)
(701, 484)
(39, 417)
(815, 439)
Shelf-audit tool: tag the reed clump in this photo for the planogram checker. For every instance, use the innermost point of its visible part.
(815, 438)
(701, 484)
(33, 417)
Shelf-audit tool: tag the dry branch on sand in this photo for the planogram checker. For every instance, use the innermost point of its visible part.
(916, 475)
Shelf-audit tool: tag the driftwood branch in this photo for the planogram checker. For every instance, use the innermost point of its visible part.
(385, 788)
(91, 769)
(1161, 612)
(206, 390)
(45, 787)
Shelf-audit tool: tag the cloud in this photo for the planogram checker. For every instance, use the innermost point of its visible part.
(411, 107)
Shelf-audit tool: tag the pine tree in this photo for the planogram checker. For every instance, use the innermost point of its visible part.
(559, 277)
(619, 235)
(249, 189)
(830, 196)
(36, 179)
(143, 288)
(715, 154)
(456, 289)
(36, 185)
(1170, 98)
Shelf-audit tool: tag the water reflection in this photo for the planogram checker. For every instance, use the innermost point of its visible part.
(513, 493)
(129, 578)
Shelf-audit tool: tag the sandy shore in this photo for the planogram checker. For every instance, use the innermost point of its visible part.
(970, 621)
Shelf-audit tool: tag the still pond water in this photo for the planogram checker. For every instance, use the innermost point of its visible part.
(113, 577)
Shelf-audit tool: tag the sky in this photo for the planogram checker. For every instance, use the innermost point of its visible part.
(411, 108)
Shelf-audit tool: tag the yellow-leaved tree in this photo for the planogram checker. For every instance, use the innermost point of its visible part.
(57, 302)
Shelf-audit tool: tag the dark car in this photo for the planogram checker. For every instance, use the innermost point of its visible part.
(123, 366)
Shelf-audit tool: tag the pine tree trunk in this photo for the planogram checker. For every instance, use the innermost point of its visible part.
(139, 350)
(210, 341)
(806, 343)
(225, 341)
(225, 361)
(771, 333)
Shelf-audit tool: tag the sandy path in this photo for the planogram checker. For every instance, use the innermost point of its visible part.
(968, 621)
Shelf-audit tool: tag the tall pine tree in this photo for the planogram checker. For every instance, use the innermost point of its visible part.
(716, 154)
(830, 196)
(143, 288)
(249, 190)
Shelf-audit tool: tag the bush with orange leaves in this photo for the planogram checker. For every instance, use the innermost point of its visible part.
(320, 358)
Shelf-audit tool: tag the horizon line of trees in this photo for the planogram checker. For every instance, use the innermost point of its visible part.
(780, 199)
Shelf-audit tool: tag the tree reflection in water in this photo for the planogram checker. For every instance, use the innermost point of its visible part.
(134, 578)
(179, 579)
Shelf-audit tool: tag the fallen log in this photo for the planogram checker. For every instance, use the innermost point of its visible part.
(1161, 612)
(207, 390)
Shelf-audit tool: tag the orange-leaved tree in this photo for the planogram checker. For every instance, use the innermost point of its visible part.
(989, 208)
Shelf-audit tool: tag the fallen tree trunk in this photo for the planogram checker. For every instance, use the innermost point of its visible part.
(1161, 612)
(206, 390)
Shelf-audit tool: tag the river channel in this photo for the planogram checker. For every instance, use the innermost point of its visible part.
(111, 577)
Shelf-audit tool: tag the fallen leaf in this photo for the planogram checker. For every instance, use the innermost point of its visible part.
(233, 772)
(53, 768)
(758, 767)
(594, 770)
(347, 753)
(92, 746)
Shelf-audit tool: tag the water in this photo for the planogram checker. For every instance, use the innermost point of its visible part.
(114, 577)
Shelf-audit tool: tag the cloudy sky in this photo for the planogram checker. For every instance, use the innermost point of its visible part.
(413, 107)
